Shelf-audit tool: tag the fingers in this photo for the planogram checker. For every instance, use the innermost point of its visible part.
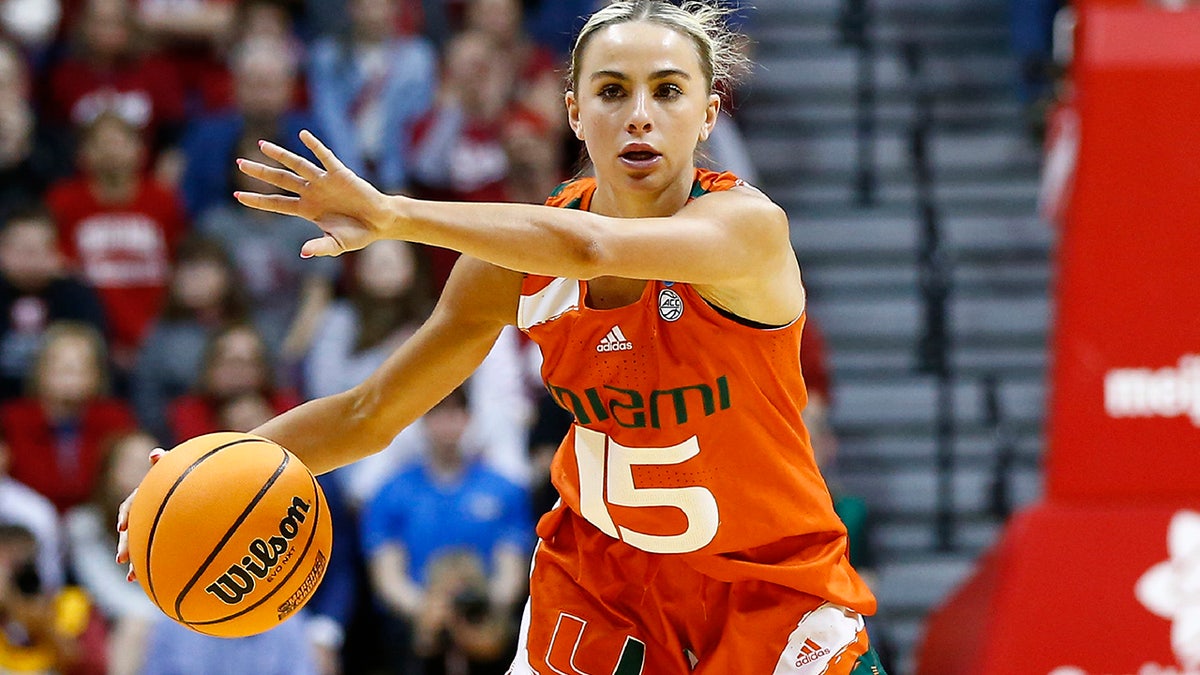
(285, 204)
(123, 529)
(268, 174)
(330, 160)
(323, 247)
(304, 168)
(123, 520)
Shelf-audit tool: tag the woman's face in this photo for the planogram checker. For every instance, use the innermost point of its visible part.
(499, 18)
(70, 372)
(238, 366)
(641, 105)
(199, 284)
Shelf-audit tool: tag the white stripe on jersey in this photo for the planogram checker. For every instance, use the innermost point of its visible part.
(559, 297)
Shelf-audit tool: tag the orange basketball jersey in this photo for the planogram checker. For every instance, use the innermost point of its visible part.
(687, 437)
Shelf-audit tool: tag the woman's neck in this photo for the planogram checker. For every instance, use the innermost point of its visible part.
(60, 411)
(609, 200)
(114, 189)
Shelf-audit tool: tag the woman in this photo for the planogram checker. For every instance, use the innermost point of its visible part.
(370, 87)
(126, 609)
(57, 433)
(235, 362)
(695, 533)
(202, 298)
(387, 301)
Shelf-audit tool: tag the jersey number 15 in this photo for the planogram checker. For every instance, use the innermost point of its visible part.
(606, 478)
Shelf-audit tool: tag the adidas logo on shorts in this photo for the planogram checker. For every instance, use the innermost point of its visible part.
(811, 651)
(614, 342)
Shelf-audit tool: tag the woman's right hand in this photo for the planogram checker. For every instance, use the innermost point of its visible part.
(350, 211)
(123, 521)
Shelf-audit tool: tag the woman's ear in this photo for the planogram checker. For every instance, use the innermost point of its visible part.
(711, 113)
(573, 114)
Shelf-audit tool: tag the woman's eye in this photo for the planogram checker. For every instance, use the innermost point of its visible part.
(611, 91)
(668, 91)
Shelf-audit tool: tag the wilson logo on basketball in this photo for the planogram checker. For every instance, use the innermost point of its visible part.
(266, 558)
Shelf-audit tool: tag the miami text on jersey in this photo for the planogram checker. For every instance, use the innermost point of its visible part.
(636, 410)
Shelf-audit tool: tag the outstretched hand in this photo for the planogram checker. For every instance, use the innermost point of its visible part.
(348, 209)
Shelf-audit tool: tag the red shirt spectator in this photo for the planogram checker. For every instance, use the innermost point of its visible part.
(57, 435)
(37, 457)
(120, 228)
(236, 364)
(105, 74)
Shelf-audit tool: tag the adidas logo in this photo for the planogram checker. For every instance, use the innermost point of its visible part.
(811, 651)
(614, 342)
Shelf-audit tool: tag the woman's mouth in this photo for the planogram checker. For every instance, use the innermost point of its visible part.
(639, 159)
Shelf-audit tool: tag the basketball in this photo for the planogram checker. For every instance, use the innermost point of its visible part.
(229, 534)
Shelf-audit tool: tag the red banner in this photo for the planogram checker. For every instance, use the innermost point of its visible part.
(1078, 590)
(1125, 404)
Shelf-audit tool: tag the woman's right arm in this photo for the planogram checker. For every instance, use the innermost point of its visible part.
(326, 433)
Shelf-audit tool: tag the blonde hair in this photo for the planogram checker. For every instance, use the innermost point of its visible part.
(703, 22)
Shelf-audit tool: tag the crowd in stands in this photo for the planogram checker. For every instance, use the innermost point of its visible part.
(141, 306)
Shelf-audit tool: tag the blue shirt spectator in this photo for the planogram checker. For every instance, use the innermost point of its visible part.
(369, 89)
(175, 650)
(425, 515)
(264, 81)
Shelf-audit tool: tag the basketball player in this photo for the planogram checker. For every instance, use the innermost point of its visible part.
(694, 533)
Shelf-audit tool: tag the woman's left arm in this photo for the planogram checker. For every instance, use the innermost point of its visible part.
(734, 242)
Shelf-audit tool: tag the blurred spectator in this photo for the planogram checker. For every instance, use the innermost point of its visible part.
(46, 631)
(533, 148)
(236, 362)
(31, 157)
(191, 34)
(537, 84)
(175, 650)
(501, 409)
(459, 154)
(449, 502)
(458, 151)
(89, 530)
(369, 88)
(556, 23)
(851, 508)
(22, 505)
(388, 300)
(182, 24)
(264, 72)
(458, 629)
(120, 228)
(271, 20)
(1032, 39)
(33, 23)
(58, 434)
(35, 291)
(440, 20)
(105, 72)
(204, 296)
(288, 293)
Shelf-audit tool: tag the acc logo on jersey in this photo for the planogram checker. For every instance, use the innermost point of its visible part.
(670, 305)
